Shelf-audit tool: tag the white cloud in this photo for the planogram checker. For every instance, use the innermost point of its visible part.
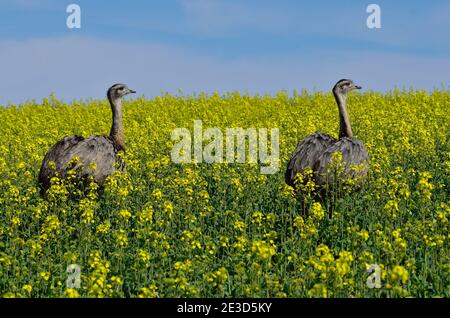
(77, 68)
(402, 27)
(223, 18)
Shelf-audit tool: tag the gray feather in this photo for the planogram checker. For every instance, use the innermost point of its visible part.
(306, 154)
(353, 154)
(100, 150)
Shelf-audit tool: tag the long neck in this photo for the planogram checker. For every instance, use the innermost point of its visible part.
(345, 129)
(117, 128)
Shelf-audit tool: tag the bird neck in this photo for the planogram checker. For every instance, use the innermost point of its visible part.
(117, 128)
(345, 129)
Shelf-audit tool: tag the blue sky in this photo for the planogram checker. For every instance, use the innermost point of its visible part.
(255, 46)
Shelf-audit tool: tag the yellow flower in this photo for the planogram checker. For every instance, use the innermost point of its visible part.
(146, 215)
(424, 186)
(263, 249)
(239, 225)
(15, 221)
(125, 215)
(121, 238)
(71, 293)
(103, 227)
(318, 291)
(391, 207)
(148, 292)
(241, 243)
(399, 274)
(343, 263)
(143, 256)
(217, 278)
(316, 211)
(299, 223)
(28, 288)
(116, 280)
(157, 194)
(168, 208)
(45, 275)
(87, 208)
(93, 166)
(363, 234)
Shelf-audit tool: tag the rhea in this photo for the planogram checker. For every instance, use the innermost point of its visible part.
(316, 151)
(96, 156)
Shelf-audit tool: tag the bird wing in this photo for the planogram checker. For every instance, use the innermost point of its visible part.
(353, 154)
(56, 154)
(96, 149)
(306, 154)
(99, 150)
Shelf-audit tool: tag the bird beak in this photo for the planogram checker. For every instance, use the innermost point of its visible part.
(131, 92)
(357, 87)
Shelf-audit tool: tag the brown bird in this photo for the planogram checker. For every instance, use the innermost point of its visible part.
(316, 150)
(101, 150)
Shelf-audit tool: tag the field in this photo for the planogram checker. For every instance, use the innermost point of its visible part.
(225, 230)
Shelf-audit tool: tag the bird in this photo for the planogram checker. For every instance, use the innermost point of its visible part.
(316, 150)
(101, 152)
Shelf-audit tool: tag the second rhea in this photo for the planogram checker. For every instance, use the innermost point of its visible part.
(316, 150)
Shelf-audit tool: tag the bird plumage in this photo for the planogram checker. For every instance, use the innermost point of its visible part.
(354, 160)
(307, 154)
(97, 155)
(316, 150)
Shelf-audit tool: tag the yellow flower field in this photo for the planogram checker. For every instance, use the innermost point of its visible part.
(225, 230)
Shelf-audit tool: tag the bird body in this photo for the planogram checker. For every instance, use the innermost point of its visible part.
(307, 153)
(89, 150)
(95, 156)
(316, 151)
(354, 158)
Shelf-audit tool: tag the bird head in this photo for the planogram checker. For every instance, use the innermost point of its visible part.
(119, 91)
(344, 86)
